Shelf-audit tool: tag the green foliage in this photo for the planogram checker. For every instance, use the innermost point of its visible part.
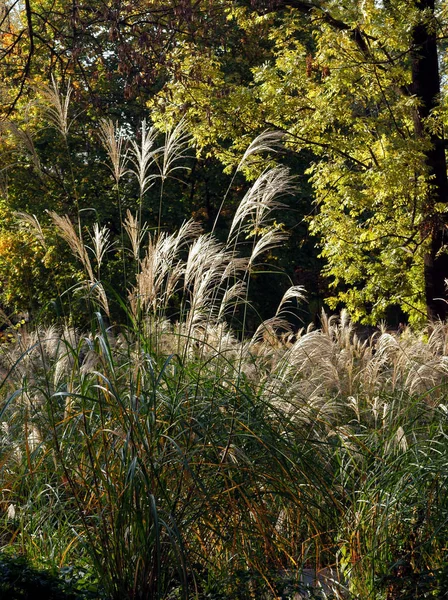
(20, 581)
(337, 79)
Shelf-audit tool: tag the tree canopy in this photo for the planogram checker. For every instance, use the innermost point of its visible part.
(358, 85)
(357, 88)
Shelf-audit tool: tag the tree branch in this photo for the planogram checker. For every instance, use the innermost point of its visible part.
(308, 8)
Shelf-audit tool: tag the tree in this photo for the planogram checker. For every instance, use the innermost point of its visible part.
(358, 84)
(111, 57)
(114, 57)
(355, 86)
(116, 51)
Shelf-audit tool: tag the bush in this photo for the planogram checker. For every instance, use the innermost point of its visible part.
(20, 581)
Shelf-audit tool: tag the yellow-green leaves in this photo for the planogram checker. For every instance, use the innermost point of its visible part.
(338, 81)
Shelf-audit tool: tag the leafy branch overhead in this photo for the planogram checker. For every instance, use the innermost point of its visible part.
(358, 90)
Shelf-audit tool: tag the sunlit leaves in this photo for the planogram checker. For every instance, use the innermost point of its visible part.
(343, 92)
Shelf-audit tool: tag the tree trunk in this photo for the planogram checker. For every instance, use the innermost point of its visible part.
(426, 86)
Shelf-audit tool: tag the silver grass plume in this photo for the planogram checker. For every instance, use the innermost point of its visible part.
(260, 200)
(210, 267)
(66, 230)
(135, 234)
(296, 292)
(142, 157)
(25, 140)
(232, 295)
(438, 338)
(114, 142)
(157, 265)
(268, 241)
(162, 266)
(101, 243)
(209, 264)
(58, 106)
(269, 331)
(176, 147)
(264, 142)
(201, 258)
(32, 223)
(267, 141)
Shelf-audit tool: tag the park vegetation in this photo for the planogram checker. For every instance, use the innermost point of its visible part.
(180, 416)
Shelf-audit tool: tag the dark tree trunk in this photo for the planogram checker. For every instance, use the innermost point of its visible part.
(426, 86)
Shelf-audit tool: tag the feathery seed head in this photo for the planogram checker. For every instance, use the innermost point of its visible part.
(136, 234)
(101, 243)
(58, 105)
(267, 141)
(175, 149)
(260, 200)
(114, 142)
(25, 141)
(32, 222)
(294, 292)
(67, 231)
(143, 157)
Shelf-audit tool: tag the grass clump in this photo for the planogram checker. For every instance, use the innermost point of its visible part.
(176, 457)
